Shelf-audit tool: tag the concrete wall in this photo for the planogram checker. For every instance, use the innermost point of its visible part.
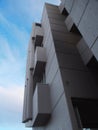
(65, 71)
(67, 53)
(85, 16)
(52, 22)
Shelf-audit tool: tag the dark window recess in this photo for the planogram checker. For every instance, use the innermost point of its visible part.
(37, 41)
(38, 24)
(38, 45)
(93, 68)
(86, 111)
(36, 80)
(33, 38)
(64, 12)
(74, 29)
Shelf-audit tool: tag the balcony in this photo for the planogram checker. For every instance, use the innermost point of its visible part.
(37, 36)
(39, 62)
(41, 105)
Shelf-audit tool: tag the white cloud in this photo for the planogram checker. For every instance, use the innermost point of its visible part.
(12, 68)
(11, 104)
(12, 98)
(5, 49)
(12, 53)
(14, 18)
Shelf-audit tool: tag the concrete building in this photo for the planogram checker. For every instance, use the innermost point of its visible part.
(61, 87)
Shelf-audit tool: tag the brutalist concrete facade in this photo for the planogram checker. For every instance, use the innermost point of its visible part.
(61, 88)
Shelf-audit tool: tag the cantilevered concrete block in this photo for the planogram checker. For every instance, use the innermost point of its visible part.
(37, 35)
(41, 105)
(40, 61)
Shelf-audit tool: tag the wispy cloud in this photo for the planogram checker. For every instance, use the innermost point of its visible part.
(11, 105)
(13, 33)
(12, 98)
(24, 12)
(16, 17)
(13, 47)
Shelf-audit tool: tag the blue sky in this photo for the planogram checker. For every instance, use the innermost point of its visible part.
(16, 18)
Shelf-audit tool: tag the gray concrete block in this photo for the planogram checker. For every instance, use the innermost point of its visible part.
(68, 5)
(41, 105)
(78, 10)
(89, 23)
(65, 47)
(59, 28)
(56, 89)
(51, 6)
(56, 16)
(58, 22)
(66, 37)
(69, 61)
(47, 43)
(53, 10)
(60, 117)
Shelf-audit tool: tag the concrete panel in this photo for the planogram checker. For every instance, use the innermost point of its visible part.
(45, 22)
(78, 10)
(58, 22)
(65, 47)
(59, 28)
(79, 84)
(50, 56)
(51, 7)
(56, 16)
(53, 10)
(56, 89)
(46, 30)
(46, 37)
(84, 50)
(68, 5)
(89, 23)
(41, 105)
(48, 42)
(52, 71)
(81, 46)
(69, 22)
(69, 61)
(95, 49)
(60, 117)
(66, 37)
